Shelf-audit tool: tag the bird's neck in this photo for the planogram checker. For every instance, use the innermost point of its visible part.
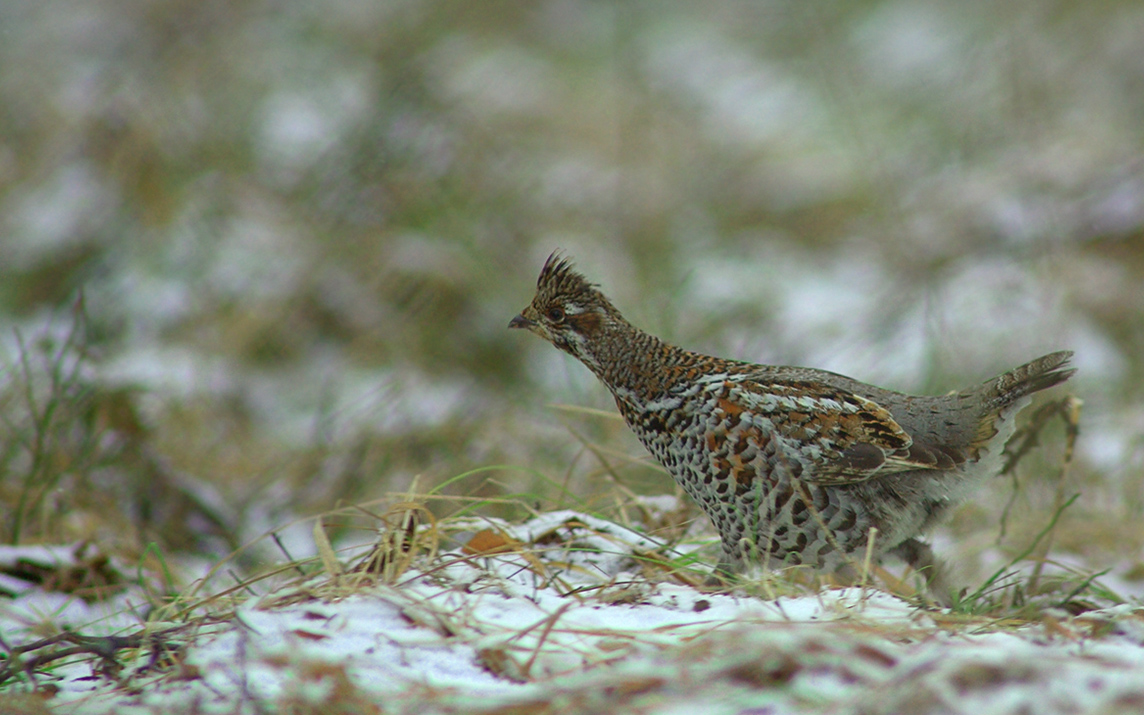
(633, 364)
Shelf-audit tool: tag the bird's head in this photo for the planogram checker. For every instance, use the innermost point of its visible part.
(567, 310)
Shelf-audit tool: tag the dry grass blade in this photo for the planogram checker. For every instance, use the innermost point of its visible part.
(549, 623)
(326, 551)
(868, 561)
(402, 539)
(591, 411)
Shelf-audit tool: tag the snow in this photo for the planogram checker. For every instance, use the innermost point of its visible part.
(557, 612)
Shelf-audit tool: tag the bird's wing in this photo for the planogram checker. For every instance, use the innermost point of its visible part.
(824, 434)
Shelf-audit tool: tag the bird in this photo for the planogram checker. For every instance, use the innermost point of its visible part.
(794, 466)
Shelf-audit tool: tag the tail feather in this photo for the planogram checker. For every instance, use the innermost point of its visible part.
(1005, 392)
(1040, 374)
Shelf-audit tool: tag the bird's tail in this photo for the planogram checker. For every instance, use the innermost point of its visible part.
(1040, 374)
(1005, 394)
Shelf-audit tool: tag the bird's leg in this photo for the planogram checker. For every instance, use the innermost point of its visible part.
(920, 558)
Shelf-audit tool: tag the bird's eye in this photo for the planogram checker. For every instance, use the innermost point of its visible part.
(556, 315)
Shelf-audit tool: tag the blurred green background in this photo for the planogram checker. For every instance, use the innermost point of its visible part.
(299, 229)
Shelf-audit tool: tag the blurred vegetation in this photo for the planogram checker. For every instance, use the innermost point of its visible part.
(283, 240)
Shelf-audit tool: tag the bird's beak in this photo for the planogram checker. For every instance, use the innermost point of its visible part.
(521, 322)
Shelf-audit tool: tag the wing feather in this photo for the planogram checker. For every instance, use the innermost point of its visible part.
(835, 436)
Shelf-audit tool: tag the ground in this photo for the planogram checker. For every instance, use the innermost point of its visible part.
(565, 613)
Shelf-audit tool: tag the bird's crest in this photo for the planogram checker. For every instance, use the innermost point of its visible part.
(560, 277)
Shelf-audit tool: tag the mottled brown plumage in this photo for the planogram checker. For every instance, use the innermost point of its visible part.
(793, 465)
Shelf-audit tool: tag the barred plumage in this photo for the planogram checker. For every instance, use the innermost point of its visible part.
(793, 465)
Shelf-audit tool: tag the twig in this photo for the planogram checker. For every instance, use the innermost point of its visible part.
(1026, 439)
(1070, 412)
(104, 647)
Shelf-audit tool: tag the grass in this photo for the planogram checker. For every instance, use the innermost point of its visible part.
(48, 430)
(409, 545)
